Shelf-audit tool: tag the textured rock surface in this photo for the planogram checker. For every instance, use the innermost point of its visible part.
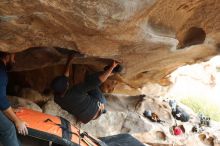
(113, 122)
(54, 109)
(129, 119)
(150, 37)
(33, 95)
(23, 83)
(143, 33)
(20, 102)
(117, 122)
(38, 80)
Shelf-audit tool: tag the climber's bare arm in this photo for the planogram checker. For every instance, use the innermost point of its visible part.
(68, 66)
(103, 77)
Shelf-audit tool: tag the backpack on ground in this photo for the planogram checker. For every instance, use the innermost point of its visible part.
(180, 114)
(152, 117)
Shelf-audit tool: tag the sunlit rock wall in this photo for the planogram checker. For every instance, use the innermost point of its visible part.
(148, 36)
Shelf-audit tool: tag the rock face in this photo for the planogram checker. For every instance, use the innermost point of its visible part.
(151, 38)
(145, 35)
(117, 122)
(124, 115)
(129, 119)
(111, 123)
(33, 95)
(54, 109)
(20, 102)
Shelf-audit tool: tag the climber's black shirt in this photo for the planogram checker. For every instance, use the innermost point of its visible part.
(78, 102)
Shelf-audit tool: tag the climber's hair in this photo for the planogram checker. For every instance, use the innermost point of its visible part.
(3, 54)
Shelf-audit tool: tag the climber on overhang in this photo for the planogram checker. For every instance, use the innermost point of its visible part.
(84, 100)
(8, 135)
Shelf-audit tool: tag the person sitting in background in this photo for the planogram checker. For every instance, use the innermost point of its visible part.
(84, 100)
(8, 135)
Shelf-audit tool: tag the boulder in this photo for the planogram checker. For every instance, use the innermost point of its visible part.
(33, 95)
(54, 109)
(113, 123)
(20, 102)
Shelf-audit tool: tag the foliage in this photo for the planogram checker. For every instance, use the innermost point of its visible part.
(203, 105)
